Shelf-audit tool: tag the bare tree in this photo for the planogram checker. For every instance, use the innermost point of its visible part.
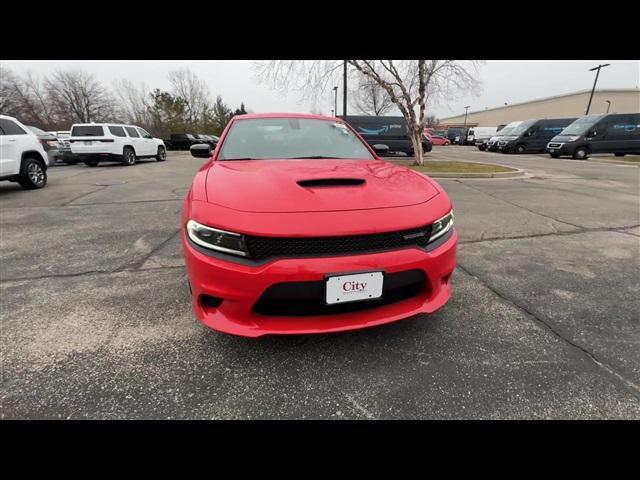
(26, 97)
(431, 121)
(9, 99)
(409, 83)
(369, 98)
(132, 102)
(77, 96)
(193, 90)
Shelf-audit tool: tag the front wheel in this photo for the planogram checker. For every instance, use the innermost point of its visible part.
(33, 174)
(554, 155)
(619, 154)
(162, 154)
(520, 149)
(91, 163)
(128, 156)
(482, 147)
(580, 153)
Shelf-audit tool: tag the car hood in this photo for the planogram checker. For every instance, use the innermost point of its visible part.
(314, 185)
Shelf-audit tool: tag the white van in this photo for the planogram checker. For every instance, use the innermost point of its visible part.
(478, 135)
(110, 142)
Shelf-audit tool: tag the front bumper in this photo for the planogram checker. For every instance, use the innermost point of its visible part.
(504, 147)
(240, 286)
(558, 148)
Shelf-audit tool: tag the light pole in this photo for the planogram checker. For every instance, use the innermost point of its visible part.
(344, 91)
(594, 83)
(608, 105)
(335, 100)
(464, 128)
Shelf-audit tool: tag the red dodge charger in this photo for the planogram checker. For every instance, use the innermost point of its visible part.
(295, 225)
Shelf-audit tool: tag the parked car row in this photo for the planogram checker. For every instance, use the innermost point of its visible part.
(184, 141)
(617, 133)
(389, 132)
(26, 152)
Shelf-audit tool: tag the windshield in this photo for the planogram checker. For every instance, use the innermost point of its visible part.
(581, 125)
(508, 129)
(518, 129)
(288, 138)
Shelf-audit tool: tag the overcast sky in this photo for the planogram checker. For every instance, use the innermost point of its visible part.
(502, 81)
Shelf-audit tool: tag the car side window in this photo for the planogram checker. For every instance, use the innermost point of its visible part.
(132, 132)
(117, 131)
(144, 133)
(11, 128)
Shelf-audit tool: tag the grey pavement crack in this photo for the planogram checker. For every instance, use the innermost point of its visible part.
(128, 268)
(518, 206)
(81, 196)
(629, 384)
(551, 234)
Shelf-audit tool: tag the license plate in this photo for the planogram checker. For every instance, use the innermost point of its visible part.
(89, 142)
(350, 288)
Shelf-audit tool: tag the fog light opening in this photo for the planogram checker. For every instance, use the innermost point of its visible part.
(209, 301)
(446, 278)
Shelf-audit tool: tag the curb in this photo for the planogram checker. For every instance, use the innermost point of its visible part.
(609, 162)
(517, 173)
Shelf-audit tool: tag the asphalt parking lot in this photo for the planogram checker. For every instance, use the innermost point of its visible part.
(544, 321)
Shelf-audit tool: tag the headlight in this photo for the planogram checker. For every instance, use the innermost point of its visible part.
(441, 226)
(215, 239)
(573, 138)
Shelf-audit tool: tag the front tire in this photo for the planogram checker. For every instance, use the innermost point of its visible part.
(128, 156)
(162, 154)
(619, 154)
(581, 153)
(520, 149)
(33, 174)
(91, 163)
(554, 155)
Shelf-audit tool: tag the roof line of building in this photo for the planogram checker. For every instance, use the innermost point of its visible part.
(579, 92)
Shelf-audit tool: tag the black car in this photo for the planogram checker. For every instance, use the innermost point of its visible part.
(389, 131)
(206, 138)
(182, 141)
(453, 133)
(617, 133)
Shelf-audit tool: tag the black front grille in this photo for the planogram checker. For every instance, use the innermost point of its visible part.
(267, 247)
(308, 298)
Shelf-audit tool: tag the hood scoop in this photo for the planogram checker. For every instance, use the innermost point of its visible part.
(331, 182)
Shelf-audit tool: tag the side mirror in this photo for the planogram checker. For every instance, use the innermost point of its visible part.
(380, 149)
(201, 150)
